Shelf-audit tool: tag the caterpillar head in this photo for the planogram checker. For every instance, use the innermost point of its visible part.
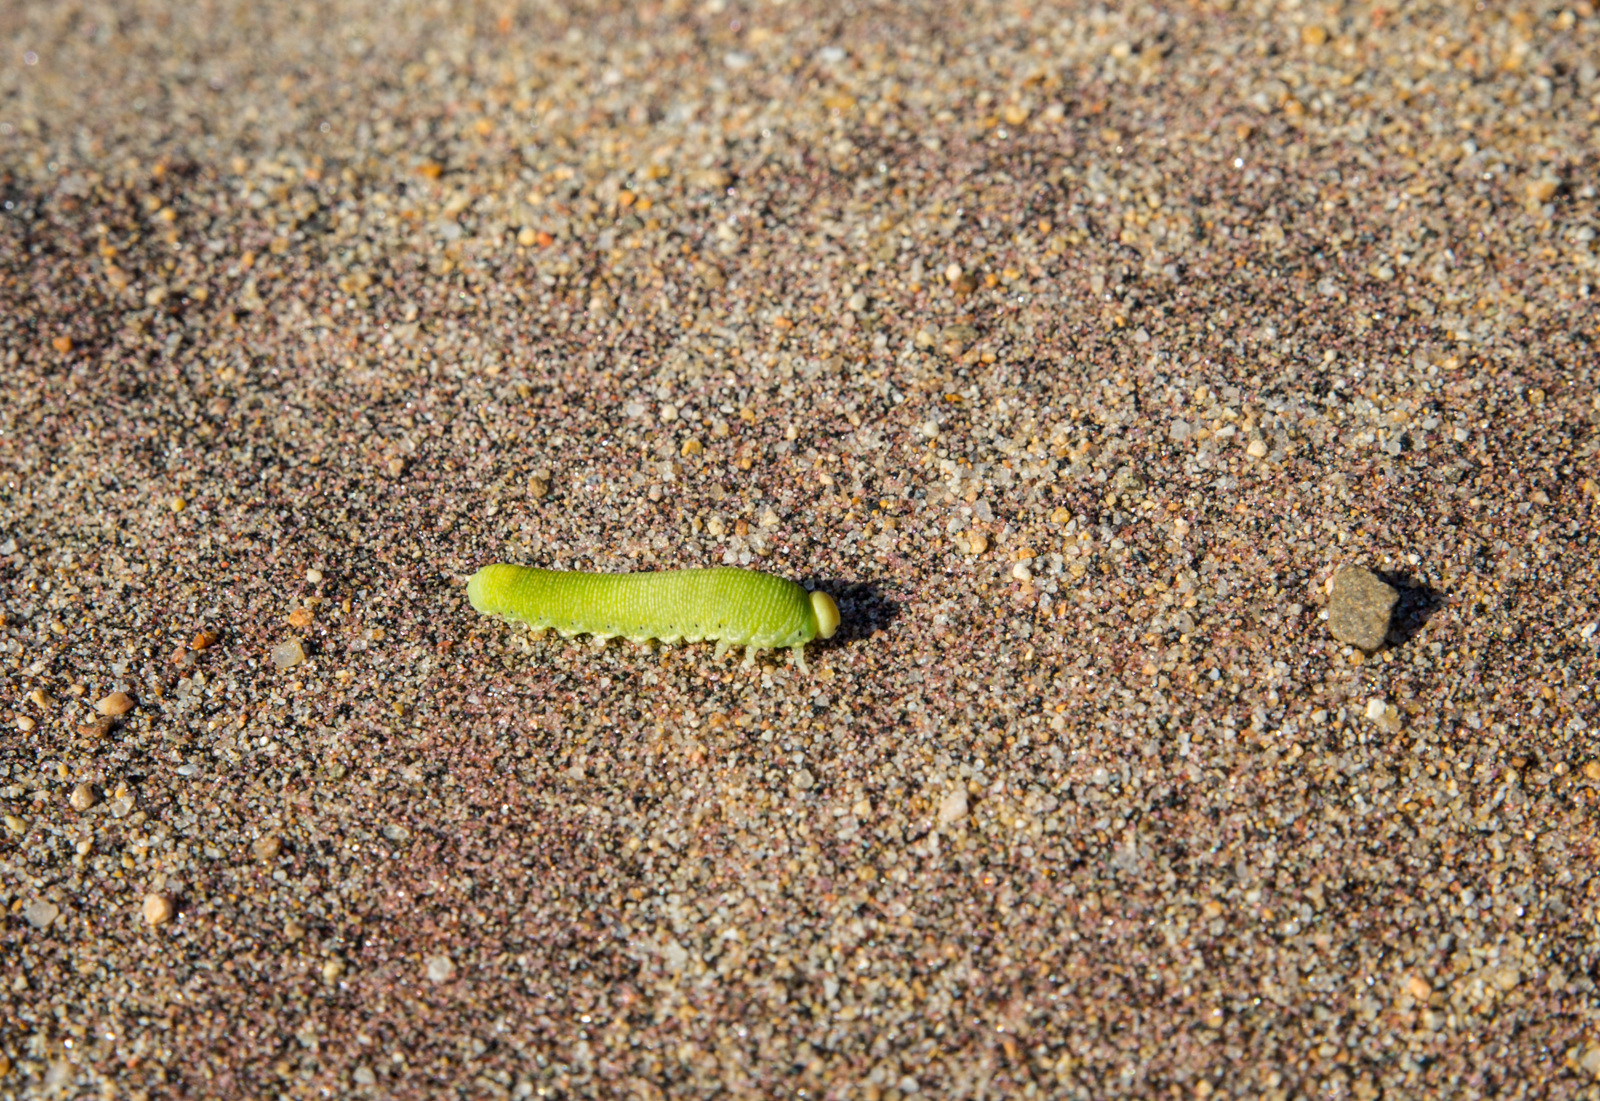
(827, 613)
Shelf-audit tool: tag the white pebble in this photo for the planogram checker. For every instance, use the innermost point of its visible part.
(953, 807)
(288, 654)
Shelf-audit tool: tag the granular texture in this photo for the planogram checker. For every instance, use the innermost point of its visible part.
(1071, 348)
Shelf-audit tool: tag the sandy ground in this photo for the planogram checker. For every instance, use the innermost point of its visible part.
(1071, 351)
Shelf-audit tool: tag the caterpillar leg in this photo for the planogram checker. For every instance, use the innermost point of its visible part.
(722, 650)
(749, 656)
(799, 653)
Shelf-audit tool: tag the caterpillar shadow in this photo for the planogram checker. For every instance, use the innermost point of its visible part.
(864, 607)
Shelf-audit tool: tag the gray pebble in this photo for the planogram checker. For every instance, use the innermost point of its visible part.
(1359, 608)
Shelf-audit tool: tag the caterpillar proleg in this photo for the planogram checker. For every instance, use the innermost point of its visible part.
(736, 607)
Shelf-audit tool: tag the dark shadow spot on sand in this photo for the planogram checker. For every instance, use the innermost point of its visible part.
(1417, 604)
(863, 607)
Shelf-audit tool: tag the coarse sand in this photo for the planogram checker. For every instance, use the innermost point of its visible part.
(1072, 350)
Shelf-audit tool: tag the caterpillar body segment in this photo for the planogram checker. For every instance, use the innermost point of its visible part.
(747, 608)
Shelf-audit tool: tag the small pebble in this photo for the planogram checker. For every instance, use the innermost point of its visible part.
(1359, 608)
(98, 729)
(440, 968)
(25, 724)
(1591, 1061)
(953, 807)
(1385, 716)
(288, 654)
(40, 913)
(301, 618)
(268, 847)
(203, 640)
(118, 703)
(83, 797)
(314, 576)
(1543, 189)
(15, 824)
(157, 909)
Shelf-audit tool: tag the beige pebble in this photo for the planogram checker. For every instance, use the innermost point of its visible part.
(203, 640)
(314, 576)
(1257, 449)
(15, 824)
(301, 618)
(25, 724)
(157, 909)
(527, 237)
(83, 797)
(268, 847)
(1418, 987)
(118, 703)
(977, 542)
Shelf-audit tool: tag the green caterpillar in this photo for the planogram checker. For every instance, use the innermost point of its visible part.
(736, 607)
